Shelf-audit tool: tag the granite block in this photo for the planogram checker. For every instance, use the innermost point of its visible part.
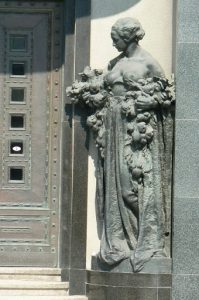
(128, 286)
(69, 18)
(78, 198)
(66, 195)
(79, 203)
(77, 282)
(185, 287)
(187, 77)
(122, 279)
(186, 236)
(97, 292)
(121, 293)
(188, 29)
(83, 10)
(157, 265)
(66, 180)
(164, 280)
(186, 159)
(164, 294)
(69, 53)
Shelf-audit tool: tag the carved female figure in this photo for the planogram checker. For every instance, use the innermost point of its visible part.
(132, 124)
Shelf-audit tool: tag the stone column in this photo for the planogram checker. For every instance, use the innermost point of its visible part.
(186, 191)
(75, 151)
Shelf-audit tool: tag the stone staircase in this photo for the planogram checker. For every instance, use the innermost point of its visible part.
(34, 284)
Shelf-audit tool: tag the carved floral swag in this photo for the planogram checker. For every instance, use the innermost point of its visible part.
(134, 159)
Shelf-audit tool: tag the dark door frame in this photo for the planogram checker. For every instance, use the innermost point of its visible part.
(75, 150)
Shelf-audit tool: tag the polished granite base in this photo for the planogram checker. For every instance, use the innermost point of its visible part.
(127, 286)
(153, 282)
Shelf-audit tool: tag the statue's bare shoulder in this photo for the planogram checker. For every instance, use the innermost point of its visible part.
(114, 61)
(154, 67)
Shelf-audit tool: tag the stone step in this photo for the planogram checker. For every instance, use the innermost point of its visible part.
(39, 274)
(30, 277)
(33, 288)
(30, 270)
(44, 298)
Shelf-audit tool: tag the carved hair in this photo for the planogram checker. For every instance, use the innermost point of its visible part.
(129, 29)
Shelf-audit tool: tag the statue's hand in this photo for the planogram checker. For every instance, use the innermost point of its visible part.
(145, 102)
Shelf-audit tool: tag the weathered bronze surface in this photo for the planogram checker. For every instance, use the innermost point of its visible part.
(30, 132)
(132, 122)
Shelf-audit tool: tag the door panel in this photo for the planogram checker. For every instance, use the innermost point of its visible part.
(30, 118)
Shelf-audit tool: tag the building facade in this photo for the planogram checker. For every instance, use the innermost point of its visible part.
(47, 184)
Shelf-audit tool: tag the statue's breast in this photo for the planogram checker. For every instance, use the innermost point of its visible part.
(127, 69)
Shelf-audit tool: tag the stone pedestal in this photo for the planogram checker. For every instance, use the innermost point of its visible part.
(128, 286)
(156, 265)
(119, 282)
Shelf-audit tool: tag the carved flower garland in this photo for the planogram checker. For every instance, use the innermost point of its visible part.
(93, 91)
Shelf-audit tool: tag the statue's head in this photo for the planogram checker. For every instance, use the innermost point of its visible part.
(125, 31)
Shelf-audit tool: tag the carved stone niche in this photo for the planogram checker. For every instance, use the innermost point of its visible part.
(132, 123)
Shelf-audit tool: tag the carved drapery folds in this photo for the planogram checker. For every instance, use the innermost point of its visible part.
(132, 122)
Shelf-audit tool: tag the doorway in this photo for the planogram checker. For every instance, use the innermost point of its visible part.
(30, 132)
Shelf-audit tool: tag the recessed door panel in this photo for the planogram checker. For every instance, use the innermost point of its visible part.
(30, 118)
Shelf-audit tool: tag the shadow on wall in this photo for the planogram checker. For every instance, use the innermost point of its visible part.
(111, 7)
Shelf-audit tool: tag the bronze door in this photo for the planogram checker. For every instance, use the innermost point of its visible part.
(30, 132)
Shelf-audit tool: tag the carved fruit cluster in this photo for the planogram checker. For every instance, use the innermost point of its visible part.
(95, 122)
(90, 90)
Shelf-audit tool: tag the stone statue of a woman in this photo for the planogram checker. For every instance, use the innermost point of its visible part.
(132, 125)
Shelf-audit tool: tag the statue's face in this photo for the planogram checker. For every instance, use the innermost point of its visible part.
(118, 42)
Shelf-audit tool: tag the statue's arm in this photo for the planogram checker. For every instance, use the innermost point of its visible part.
(155, 69)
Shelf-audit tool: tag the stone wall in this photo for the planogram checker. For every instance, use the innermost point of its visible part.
(186, 188)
